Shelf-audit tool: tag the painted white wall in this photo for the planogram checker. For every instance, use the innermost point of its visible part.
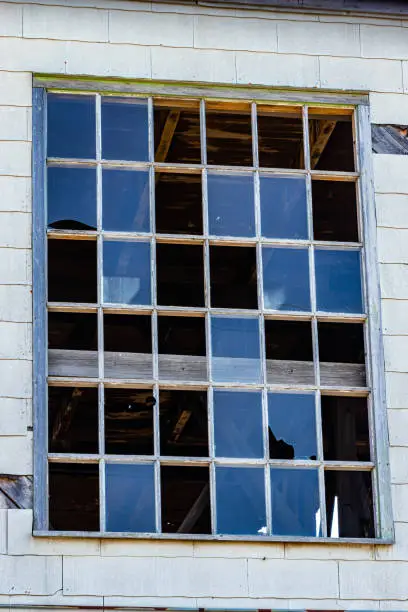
(104, 38)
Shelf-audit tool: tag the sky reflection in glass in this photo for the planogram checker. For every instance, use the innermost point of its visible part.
(283, 207)
(126, 272)
(286, 278)
(124, 129)
(235, 350)
(292, 426)
(130, 502)
(295, 502)
(240, 501)
(71, 198)
(238, 424)
(338, 281)
(125, 201)
(71, 126)
(231, 205)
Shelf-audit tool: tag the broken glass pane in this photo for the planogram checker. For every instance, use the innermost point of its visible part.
(183, 423)
(71, 198)
(73, 419)
(349, 504)
(73, 497)
(185, 497)
(292, 426)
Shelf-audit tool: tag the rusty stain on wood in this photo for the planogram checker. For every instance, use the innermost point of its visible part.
(16, 492)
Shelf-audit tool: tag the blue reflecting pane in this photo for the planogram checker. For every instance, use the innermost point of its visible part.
(231, 205)
(71, 130)
(286, 278)
(241, 501)
(283, 207)
(124, 129)
(235, 350)
(238, 424)
(292, 426)
(130, 498)
(126, 272)
(295, 502)
(125, 201)
(338, 281)
(71, 198)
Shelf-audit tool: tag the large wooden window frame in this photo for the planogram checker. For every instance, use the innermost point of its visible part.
(373, 341)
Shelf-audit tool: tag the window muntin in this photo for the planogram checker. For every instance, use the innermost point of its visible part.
(215, 329)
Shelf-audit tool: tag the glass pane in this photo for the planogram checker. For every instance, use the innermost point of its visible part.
(231, 205)
(289, 352)
(233, 277)
(229, 134)
(128, 346)
(183, 423)
(71, 126)
(235, 350)
(74, 497)
(178, 203)
(295, 502)
(292, 426)
(338, 282)
(185, 497)
(72, 271)
(334, 211)
(126, 272)
(238, 424)
(71, 198)
(130, 502)
(341, 353)
(349, 504)
(180, 274)
(240, 501)
(280, 136)
(286, 278)
(331, 140)
(73, 344)
(124, 129)
(345, 428)
(283, 207)
(125, 201)
(129, 421)
(72, 420)
(182, 348)
(177, 131)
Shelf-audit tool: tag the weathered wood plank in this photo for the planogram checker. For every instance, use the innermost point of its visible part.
(389, 139)
(16, 492)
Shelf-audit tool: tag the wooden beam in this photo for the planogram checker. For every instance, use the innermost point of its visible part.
(195, 511)
(181, 423)
(322, 138)
(167, 136)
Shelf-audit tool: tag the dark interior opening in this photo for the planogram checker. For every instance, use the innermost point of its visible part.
(73, 420)
(129, 421)
(335, 211)
(180, 274)
(229, 135)
(76, 331)
(233, 277)
(289, 340)
(280, 138)
(127, 333)
(331, 142)
(349, 504)
(183, 423)
(345, 428)
(72, 271)
(73, 497)
(341, 342)
(178, 203)
(177, 132)
(181, 335)
(185, 494)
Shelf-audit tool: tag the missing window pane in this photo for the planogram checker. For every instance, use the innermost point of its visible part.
(177, 131)
(71, 129)
(231, 205)
(73, 497)
(238, 424)
(125, 200)
(280, 136)
(292, 426)
(286, 278)
(178, 203)
(72, 271)
(128, 346)
(283, 207)
(338, 281)
(182, 348)
(126, 272)
(349, 504)
(334, 211)
(71, 198)
(229, 134)
(341, 354)
(129, 421)
(180, 274)
(240, 501)
(72, 344)
(345, 428)
(289, 352)
(130, 504)
(235, 350)
(185, 496)
(73, 420)
(233, 277)
(124, 129)
(295, 502)
(183, 423)
(331, 141)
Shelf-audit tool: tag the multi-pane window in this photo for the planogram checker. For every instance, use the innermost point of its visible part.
(207, 341)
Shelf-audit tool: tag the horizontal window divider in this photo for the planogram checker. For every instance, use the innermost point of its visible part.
(330, 175)
(164, 168)
(69, 381)
(71, 162)
(73, 458)
(174, 311)
(71, 307)
(130, 459)
(71, 234)
(366, 466)
(180, 461)
(288, 315)
(340, 316)
(120, 309)
(346, 391)
(238, 462)
(294, 463)
(354, 246)
(180, 239)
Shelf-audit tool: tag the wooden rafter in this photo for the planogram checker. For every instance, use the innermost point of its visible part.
(322, 138)
(195, 511)
(181, 423)
(167, 135)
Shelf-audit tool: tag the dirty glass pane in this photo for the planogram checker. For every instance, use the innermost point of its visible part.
(180, 274)
(283, 207)
(295, 502)
(183, 423)
(235, 350)
(240, 495)
(72, 271)
(182, 348)
(71, 198)
(73, 344)
(124, 129)
(126, 272)
(292, 426)
(127, 346)
(349, 504)
(73, 420)
(129, 421)
(185, 497)
(130, 504)
(178, 203)
(233, 277)
(73, 497)
(71, 129)
(238, 424)
(125, 201)
(231, 205)
(286, 278)
(345, 428)
(338, 281)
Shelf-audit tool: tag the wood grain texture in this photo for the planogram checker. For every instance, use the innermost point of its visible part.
(16, 492)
